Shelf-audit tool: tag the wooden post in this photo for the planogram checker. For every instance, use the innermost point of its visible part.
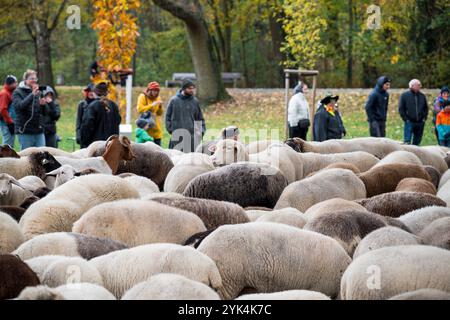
(286, 105)
(313, 108)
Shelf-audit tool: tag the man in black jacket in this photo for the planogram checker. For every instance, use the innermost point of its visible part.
(101, 118)
(89, 96)
(327, 120)
(376, 107)
(413, 109)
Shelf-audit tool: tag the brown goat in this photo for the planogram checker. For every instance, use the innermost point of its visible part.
(117, 149)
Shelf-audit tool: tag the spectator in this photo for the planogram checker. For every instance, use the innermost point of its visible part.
(142, 135)
(101, 118)
(89, 96)
(27, 103)
(443, 124)
(50, 114)
(150, 101)
(327, 122)
(184, 119)
(413, 109)
(298, 113)
(439, 106)
(376, 107)
(7, 113)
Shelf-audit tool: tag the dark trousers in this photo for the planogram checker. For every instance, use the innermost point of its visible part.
(413, 131)
(158, 142)
(297, 132)
(51, 140)
(377, 129)
(444, 143)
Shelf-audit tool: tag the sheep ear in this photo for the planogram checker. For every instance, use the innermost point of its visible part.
(53, 173)
(17, 183)
(212, 148)
(77, 174)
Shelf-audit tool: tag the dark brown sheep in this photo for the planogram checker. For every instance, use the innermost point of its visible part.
(348, 227)
(15, 275)
(14, 211)
(247, 184)
(416, 185)
(385, 178)
(396, 204)
(7, 152)
(213, 213)
(437, 233)
(434, 174)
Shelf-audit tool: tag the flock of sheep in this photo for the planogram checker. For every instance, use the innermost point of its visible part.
(352, 219)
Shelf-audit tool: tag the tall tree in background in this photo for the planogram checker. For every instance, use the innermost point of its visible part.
(207, 69)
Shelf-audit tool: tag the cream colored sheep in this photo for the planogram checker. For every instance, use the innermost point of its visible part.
(286, 295)
(332, 205)
(78, 291)
(11, 236)
(143, 185)
(400, 157)
(419, 219)
(423, 294)
(289, 216)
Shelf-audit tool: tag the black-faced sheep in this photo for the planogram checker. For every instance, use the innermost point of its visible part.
(15, 275)
(416, 185)
(213, 213)
(138, 222)
(437, 233)
(67, 244)
(78, 291)
(386, 272)
(395, 204)
(263, 251)
(36, 164)
(419, 219)
(247, 184)
(11, 235)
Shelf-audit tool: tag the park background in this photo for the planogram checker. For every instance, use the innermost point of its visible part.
(345, 40)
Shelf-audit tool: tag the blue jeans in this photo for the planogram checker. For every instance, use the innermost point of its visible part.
(413, 131)
(31, 140)
(8, 138)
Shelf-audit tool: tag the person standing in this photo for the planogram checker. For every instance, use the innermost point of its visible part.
(443, 124)
(184, 119)
(7, 113)
(376, 107)
(327, 122)
(101, 118)
(439, 106)
(27, 103)
(413, 109)
(89, 96)
(150, 101)
(51, 112)
(298, 113)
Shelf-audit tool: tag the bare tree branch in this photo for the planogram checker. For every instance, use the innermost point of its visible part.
(30, 31)
(10, 43)
(58, 14)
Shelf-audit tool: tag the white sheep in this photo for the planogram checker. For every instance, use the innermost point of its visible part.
(437, 233)
(288, 216)
(96, 163)
(143, 185)
(328, 184)
(32, 183)
(383, 273)
(254, 215)
(166, 286)
(36, 164)
(78, 291)
(444, 193)
(170, 195)
(286, 295)
(66, 204)
(53, 151)
(419, 219)
(444, 178)
(422, 294)
(249, 254)
(385, 237)
(121, 270)
(12, 192)
(332, 205)
(259, 146)
(229, 151)
(427, 157)
(138, 222)
(11, 236)
(400, 157)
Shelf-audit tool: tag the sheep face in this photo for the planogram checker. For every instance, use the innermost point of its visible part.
(227, 152)
(6, 182)
(7, 152)
(48, 161)
(63, 174)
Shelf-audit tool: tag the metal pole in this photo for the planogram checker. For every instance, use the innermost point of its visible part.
(313, 107)
(286, 105)
(129, 92)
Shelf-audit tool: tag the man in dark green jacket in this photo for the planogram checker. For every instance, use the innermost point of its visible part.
(184, 119)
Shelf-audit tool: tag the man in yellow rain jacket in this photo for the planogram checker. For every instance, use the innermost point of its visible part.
(150, 100)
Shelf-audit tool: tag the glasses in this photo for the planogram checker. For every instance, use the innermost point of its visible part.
(33, 79)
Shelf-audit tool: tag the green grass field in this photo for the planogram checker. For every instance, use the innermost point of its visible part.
(258, 113)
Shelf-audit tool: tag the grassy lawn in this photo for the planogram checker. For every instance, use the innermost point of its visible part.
(258, 113)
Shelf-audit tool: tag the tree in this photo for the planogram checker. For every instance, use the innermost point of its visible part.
(209, 79)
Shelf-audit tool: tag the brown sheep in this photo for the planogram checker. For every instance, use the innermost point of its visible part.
(416, 185)
(385, 178)
(7, 152)
(396, 204)
(437, 233)
(434, 174)
(338, 165)
(13, 211)
(15, 275)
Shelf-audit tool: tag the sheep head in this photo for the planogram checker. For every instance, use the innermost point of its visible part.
(229, 151)
(6, 182)
(296, 144)
(117, 149)
(7, 152)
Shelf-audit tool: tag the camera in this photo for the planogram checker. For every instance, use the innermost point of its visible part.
(42, 89)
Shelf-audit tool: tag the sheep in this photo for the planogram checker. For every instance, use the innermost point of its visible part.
(168, 195)
(55, 271)
(67, 244)
(419, 219)
(254, 215)
(186, 169)
(422, 294)
(403, 157)
(53, 151)
(121, 270)
(333, 183)
(82, 153)
(143, 185)
(66, 173)
(36, 164)
(385, 237)
(78, 291)
(138, 222)
(14, 212)
(247, 184)
(286, 295)
(213, 213)
(11, 236)
(437, 233)
(314, 162)
(258, 146)
(445, 177)
(416, 185)
(385, 178)
(166, 286)
(15, 275)
(332, 205)
(427, 157)
(347, 227)
(444, 193)
(439, 150)
(434, 174)
(12, 192)
(383, 273)
(343, 165)
(32, 183)
(395, 204)
(207, 147)
(288, 216)
(173, 153)
(65, 205)
(7, 152)
(229, 151)
(290, 257)
(150, 162)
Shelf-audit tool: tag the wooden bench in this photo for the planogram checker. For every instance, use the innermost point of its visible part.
(227, 78)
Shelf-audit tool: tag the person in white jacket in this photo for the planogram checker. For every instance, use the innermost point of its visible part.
(298, 112)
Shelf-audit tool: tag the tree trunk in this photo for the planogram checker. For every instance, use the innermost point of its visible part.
(350, 45)
(278, 35)
(43, 53)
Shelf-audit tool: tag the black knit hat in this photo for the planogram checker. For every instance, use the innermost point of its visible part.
(186, 84)
(101, 89)
(10, 79)
(445, 89)
(141, 123)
